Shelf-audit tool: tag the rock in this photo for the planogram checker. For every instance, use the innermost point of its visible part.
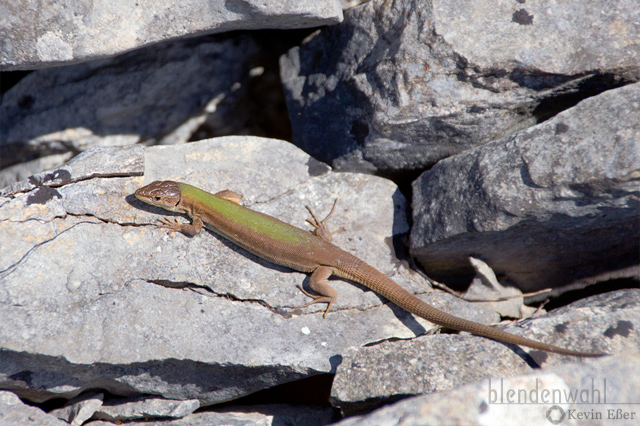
(554, 38)
(116, 304)
(372, 376)
(271, 415)
(348, 4)
(44, 35)
(547, 206)
(485, 290)
(94, 299)
(97, 161)
(22, 171)
(604, 390)
(79, 409)
(14, 412)
(163, 94)
(145, 408)
(414, 82)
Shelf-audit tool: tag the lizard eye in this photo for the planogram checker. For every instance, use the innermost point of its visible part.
(157, 198)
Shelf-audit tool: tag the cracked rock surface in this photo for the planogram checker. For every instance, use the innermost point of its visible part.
(96, 297)
(516, 121)
(93, 293)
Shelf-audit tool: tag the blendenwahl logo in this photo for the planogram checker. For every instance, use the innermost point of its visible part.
(594, 394)
(561, 402)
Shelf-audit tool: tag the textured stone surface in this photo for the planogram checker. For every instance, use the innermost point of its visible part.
(97, 161)
(272, 415)
(14, 412)
(416, 81)
(372, 376)
(145, 408)
(485, 403)
(79, 409)
(39, 35)
(547, 206)
(94, 298)
(116, 304)
(485, 290)
(162, 94)
(555, 37)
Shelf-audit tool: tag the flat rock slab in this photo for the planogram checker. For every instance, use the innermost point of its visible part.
(606, 389)
(39, 35)
(565, 37)
(145, 408)
(368, 378)
(99, 161)
(550, 205)
(95, 295)
(272, 415)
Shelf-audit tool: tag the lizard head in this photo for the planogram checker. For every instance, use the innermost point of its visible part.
(165, 194)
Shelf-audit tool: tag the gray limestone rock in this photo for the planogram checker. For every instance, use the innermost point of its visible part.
(159, 95)
(372, 376)
(97, 161)
(115, 303)
(14, 412)
(38, 35)
(416, 81)
(79, 409)
(95, 297)
(145, 408)
(601, 391)
(547, 206)
(486, 290)
(271, 415)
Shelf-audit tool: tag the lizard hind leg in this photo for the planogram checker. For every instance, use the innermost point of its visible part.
(324, 292)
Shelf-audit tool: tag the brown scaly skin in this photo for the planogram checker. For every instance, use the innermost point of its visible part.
(304, 251)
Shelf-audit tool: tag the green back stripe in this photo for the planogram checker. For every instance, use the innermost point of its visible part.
(242, 216)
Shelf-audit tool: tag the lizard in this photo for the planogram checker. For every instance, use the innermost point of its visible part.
(305, 251)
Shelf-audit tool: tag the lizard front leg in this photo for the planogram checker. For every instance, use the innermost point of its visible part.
(188, 229)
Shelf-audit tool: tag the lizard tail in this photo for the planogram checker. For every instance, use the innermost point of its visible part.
(383, 285)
